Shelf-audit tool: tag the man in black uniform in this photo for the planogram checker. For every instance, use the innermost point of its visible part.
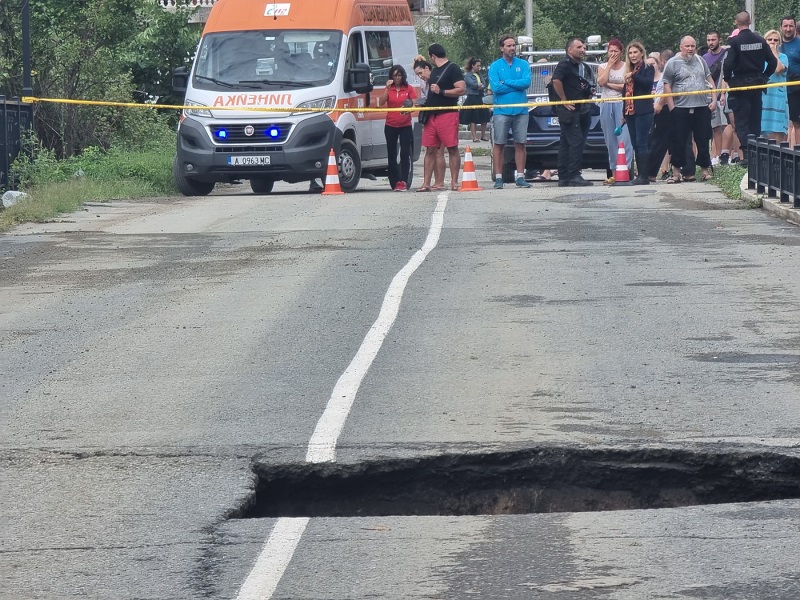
(749, 62)
(572, 80)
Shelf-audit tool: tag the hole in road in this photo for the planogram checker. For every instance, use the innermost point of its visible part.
(530, 481)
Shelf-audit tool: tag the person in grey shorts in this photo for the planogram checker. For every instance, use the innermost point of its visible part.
(509, 78)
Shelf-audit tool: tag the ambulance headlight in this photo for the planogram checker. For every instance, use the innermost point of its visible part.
(320, 105)
(196, 112)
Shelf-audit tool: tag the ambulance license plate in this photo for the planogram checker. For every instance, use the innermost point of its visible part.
(247, 161)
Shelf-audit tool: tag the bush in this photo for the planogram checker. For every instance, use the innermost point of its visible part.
(149, 163)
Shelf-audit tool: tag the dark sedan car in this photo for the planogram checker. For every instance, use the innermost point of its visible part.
(544, 132)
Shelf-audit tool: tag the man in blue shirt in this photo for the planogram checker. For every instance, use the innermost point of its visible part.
(509, 78)
(790, 46)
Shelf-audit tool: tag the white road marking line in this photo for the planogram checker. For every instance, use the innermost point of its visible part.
(285, 536)
(273, 560)
(322, 447)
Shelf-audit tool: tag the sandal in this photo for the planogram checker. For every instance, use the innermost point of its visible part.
(484, 139)
(424, 188)
(707, 177)
(455, 187)
(540, 178)
(674, 179)
(438, 188)
(690, 178)
(475, 140)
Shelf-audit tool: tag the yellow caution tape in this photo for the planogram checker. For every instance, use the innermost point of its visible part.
(283, 109)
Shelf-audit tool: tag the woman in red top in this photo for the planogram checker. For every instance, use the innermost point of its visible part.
(398, 94)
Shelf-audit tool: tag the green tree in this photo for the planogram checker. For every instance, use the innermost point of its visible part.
(473, 27)
(657, 24)
(113, 50)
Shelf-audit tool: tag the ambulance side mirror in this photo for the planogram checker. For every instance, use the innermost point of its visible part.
(359, 79)
(180, 79)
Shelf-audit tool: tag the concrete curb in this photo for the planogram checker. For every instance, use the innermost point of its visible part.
(772, 206)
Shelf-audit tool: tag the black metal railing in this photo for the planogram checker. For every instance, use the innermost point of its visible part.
(774, 168)
(16, 119)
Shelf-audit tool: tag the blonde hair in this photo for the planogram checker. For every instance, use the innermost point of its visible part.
(772, 31)
(640, 46)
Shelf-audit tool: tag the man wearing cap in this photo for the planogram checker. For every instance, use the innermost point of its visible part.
(749, 62)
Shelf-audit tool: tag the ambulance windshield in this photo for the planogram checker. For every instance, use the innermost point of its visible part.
(267, 60)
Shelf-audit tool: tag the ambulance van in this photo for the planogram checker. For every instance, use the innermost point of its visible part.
(261, 93)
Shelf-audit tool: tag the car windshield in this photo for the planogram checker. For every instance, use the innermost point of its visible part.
(270, 59)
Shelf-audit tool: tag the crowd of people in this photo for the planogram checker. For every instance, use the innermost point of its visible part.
(718, 101)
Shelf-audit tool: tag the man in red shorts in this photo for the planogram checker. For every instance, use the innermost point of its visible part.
(446, 86)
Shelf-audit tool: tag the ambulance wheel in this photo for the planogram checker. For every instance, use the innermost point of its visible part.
(261, 185)
(190, 187)
(349, 166)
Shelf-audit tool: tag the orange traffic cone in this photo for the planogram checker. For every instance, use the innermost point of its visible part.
(332, 177)
(621, 174)
(469, 181)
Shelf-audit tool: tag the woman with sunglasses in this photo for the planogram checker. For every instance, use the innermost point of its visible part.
(774, 108)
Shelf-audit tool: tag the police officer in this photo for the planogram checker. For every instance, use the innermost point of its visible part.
(572, 80)
(749, 62)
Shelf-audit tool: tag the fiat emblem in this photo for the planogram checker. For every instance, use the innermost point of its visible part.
(249, 130)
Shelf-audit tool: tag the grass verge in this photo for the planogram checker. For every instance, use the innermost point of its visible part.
(57, 187)
(728, 178)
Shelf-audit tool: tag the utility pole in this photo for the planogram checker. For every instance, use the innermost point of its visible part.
(750, 6)
(27, 87)
(529, 18)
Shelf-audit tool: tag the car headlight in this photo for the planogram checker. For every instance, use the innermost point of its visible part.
(196, 112)
(319, 105)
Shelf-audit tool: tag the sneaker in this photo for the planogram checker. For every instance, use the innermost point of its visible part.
(609, 181)
(724, 158)
(735, 159)
(315, 188)
(640, 181)
(714, 161)
(563, 183)
(522, 183)
(498, 184)
(401, 187)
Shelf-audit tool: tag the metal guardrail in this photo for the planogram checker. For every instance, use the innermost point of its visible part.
(16, 118)
(774, 168)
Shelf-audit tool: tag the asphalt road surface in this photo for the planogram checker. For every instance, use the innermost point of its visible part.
(161, 360)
